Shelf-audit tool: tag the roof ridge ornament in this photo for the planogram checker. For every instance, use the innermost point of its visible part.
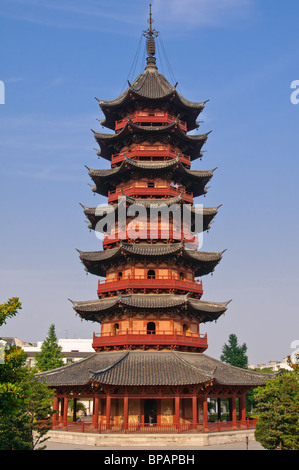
(150, 34)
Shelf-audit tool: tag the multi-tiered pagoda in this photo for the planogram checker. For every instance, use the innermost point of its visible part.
(149, 362)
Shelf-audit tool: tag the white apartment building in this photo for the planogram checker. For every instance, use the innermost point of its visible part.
(73, 349)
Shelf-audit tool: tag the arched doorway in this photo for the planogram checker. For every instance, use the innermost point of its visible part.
(150, 411)
(151, 328)
(151, 274)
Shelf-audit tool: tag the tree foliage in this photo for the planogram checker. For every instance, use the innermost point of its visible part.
(234, 354)
(25, 403)
(277, 405)
(50, 355)
(9, 309)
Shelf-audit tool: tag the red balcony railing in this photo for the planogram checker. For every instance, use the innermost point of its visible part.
(86, 425)
(153, 235)
(136, 191)
(150, 153)
(150, 119)
(140, 338)
(150, 282)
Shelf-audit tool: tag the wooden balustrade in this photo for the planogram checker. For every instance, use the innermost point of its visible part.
(150, 153)
(143, 282)
(150, 119)
(135, 190)
(161, 428)
(149, 235)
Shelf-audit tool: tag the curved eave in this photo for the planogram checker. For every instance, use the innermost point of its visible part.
(205, 311)
(203, 262)
(104, 179)
(194, 180)
(152, 86)
(97, 262)
(208, 214)
(91, 309)
(131, 93)
(151, 368)
(107, 142)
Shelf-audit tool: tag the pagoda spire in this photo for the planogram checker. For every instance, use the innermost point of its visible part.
(150, 34)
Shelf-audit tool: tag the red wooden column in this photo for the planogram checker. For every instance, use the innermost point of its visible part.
(159, 405)
(126, 412)
(65, 406)
(234, 411)
(242, 409)
(205, 411)
(177, 410)
(194, 411)
(108, 409)
(142, 411)
(56, 411)
(95, 417)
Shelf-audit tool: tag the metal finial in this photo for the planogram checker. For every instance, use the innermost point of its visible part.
(150, 20)
(150, 35)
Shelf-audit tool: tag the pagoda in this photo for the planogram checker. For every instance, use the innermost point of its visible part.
(149, 365)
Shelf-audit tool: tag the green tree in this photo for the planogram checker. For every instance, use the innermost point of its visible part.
(277, 405)
(25, 403)
(234, 354)
(9, 309)
(50, 355)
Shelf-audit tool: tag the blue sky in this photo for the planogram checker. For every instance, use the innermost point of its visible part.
(242, 55)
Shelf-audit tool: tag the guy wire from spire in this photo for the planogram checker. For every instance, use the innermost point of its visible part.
(134, 64)
(166, 59)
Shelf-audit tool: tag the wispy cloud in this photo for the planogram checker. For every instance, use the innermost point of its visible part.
(101, 15)
(75, 14)
(44, 147)
(13, 80)
(56, 82)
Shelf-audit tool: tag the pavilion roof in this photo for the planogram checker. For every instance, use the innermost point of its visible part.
(110, 143)
(151, 86)
(151, 368)
(205, 311)
(194, 180)
(94, 216)
(97, 262)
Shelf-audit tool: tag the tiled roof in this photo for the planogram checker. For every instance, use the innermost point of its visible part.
(151, 85)
(94, 215)
(204, 262)
(205, 311)
(194, 180)
(110, 142)
(141, 368)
